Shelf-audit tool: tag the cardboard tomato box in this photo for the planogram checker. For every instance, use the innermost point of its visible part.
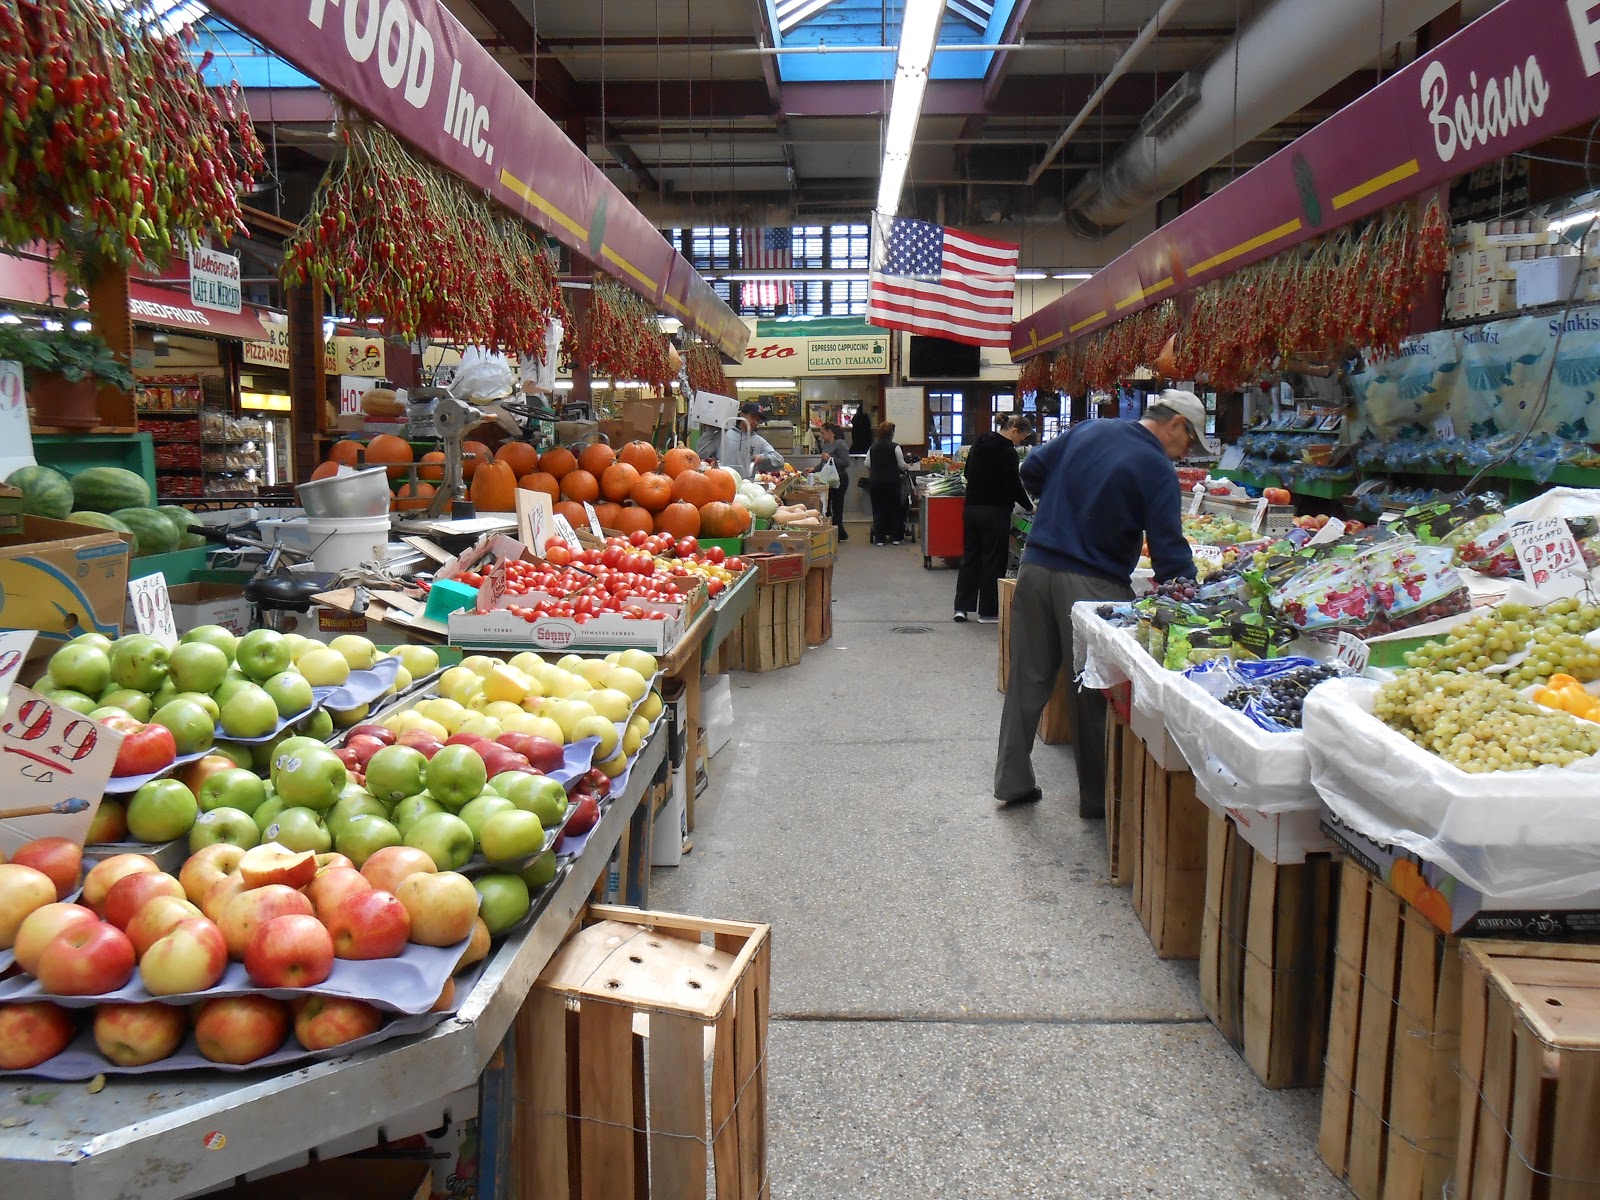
(500, 629)
(62, 579)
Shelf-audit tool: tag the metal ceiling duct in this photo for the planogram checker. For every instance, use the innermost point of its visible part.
(1291, 53)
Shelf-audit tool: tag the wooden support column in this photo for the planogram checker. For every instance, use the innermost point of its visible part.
(109, 315)
(308, 388)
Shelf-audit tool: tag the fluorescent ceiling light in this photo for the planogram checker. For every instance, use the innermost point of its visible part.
(563, 385)
(1031, 275)
(764, 383)
(1074, 275)
(51, 326)
(918, 33)
(1574, 219)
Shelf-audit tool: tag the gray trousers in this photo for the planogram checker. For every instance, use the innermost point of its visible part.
(1041, 643)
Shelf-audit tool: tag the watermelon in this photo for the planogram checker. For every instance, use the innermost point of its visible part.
(106, 489)
(45, 492)
(101, 521)
(152, 530)
(185, 522)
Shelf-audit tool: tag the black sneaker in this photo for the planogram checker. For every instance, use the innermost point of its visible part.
(1032, 797)
(961, 615)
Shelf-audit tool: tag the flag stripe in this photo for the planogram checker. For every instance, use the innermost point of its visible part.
(998, 310)
(977, 256)
(933, 328)
(935, 311)
(981, 293)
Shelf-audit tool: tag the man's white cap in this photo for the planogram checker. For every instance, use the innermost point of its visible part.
(1188, 406)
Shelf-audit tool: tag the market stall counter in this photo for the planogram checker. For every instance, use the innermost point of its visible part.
(173, 1134)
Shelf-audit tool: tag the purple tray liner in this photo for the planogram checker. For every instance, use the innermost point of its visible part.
(407, 984)
(132, 783)
(362, 687)
(283, 723)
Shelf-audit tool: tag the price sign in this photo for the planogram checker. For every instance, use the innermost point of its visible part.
(13, 649)
(1196, 501)
(11, 394)
(1352, 652)
(54, 764)
(1445, 427)
(563, 529)
(1546, 549)
(494, 586)
(535, 513)
(1261, 515)
(1331, 532)
(1213, 553)
(152, 608)
(594, 520)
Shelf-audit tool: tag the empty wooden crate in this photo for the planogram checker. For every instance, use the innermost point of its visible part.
(773, 632)
(1169, 882)
(641, 1055)
(819, 605)
(1124, 792)
(1055, 723)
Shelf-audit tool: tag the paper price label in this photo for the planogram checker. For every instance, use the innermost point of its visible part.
(1546, 549)
(1261, 515)
(13, 649)
(1331, 532)
(1352, 652)
(11, 395)
(594, 520)
(1445, 427)
(1196, 500)
(563, 529)
(1213, 553)
(494, 586)
(54, 764)
(535, 512)
(152, 608)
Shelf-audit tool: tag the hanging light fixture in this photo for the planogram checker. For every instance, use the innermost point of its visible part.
(918, 33)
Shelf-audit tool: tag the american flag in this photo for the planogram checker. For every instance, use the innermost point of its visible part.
(767, 249)
(933, 280)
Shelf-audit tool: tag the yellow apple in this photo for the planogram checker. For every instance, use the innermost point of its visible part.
(432, 728)
(479, 664)
(505, 682)
(594, 670)
(614, 766)
(419, 660)
(350, 716)
(358, 651)
(402, 680)
(544, 727)
(610, 703)
(633, 736)
(613, 658)
(597, 727)
(324, 667)
(501, 710)
(626, 679)
(571, 662)
(299, 643)
(640, 661)
(526, 661)
(651, 708)
(483, 726)
(447, 712)
(564, 684)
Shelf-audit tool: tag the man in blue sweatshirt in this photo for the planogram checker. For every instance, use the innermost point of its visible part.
(1104, 488)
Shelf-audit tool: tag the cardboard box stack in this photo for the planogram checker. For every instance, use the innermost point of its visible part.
(1500, 266)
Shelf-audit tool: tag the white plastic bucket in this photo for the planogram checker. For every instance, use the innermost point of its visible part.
(340, 543)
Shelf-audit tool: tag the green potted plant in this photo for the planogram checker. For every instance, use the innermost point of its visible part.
(63, 370)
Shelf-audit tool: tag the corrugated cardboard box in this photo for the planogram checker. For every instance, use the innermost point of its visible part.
(62, 579)
(1546, 280)
(196, 604)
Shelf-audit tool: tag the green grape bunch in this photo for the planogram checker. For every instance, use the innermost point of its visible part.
(1552, 638)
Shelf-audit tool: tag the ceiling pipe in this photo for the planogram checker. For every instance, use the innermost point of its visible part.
(1291, 53)
(1163, 16)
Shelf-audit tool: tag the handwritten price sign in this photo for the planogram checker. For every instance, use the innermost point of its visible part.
(594, 520)
(1352, 652)
(13, 650)
(54, 765)
(494, 586)
(563, 529)
(1546, 549)
(152, 608)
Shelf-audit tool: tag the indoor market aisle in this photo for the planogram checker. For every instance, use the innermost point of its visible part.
(962, 1005)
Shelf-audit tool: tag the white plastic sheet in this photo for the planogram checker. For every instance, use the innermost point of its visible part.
(1528, 837)
(1104, 656)
(1234, 759)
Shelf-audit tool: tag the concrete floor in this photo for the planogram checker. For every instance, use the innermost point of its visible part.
(962, 1005)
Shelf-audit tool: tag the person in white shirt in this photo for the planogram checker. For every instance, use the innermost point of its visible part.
(739, 447)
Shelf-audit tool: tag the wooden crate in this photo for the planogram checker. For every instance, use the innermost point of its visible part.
(819, 605)
(1530, 1072)
(1266, 955)
(1055, 723)
(1389, 1093)
(612, 1045)
(773, 632)
(1008, 589)
(1170, 883)
(1124, 783)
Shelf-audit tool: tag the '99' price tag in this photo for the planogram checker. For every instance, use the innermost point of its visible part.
(152, 608)
(54, 764)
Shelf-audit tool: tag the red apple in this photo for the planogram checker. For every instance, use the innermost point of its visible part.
(332, 858)
(40, 927)
(477, 947)
(191, 957)
(197, 772)
(442, 907)
(110, 823)
(387, 867)
(465, 739)
(240, 1029)
(132, 892)
(350, 759)
(33, 1032)
(513, 741)
(500, 758)
(207, 865)
(543, 754)
(157, 918)
(58, 857)
(369, 924)
(331, 886)
(364, 746)
(599, 782)
(22, 890)
(383, 733)
(132, 1035)
(293, 951)
(253, 908)
(219, 893)
(422, 742)
(86, 960)
(106, 872)
(584, 815)
(322, 1022)
(271, 863)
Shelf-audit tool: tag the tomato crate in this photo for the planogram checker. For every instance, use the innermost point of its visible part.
(1266, 955)
(499, 629)
(1170, 877)
(819, 605)
(615, 1097)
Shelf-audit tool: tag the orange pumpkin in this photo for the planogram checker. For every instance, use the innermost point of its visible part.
(580, 486)
(432, 466)
(678, 460)
(680, 520)
(724, 484)
(607, 513)
(719, 520)
(617, 482)
(413, 497)
(347, 453)
(325, 471)
(494, 487)
(387, 450)
(692, 487)
(558, 461)
(596, 458)
(653, 492)
(524, 459)
(573, 512)
(473, 456)
(641, 456)
(633, 517)
(541, 481)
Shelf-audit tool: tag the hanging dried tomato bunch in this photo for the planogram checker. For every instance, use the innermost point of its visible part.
(704, 365)
(1035, 375)
(1066, 370)
(110, 142)
(617, 338)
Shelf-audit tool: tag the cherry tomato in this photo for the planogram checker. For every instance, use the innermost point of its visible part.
(637, 537)
(734, 564)
(716, 554)
(558, 554)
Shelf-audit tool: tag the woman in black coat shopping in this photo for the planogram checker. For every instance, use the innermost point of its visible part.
(835, 447)
(994, 485)
(885, 468)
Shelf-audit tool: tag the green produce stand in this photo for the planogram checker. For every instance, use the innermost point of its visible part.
(71, 453)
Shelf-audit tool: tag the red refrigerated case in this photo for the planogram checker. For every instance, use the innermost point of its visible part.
(941, 528)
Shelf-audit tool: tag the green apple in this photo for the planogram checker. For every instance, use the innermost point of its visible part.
(419, 660)
(262, 653)
(443, 837)
(299, 829)
(268, 811)
(320, 726)
(197, 667)
(204, 700)
(542, 871)
(161, 810)
(140, 662)
(192, 727)
(350, 805)
(105, 711)
(311, 776)
(230, 687)
(212, 635)
(235, 753)
(76, 701)
(476, 812)
(396, 772)
(223, 825)
(356, 650)
(503, 900)
(359, 838)
(98, 640)
(455, 775)
(81, 667)
(164, 694)
(290, 692)
(134, 703)
(512, 834)
(248, 713)
(238, 789)
(412, 809)
(324, 667)
(537, 794)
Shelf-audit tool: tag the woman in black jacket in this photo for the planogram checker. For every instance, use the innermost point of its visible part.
(993, 486)
(885, 467)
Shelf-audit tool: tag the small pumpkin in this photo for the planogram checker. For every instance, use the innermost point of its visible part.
(432, 466)
(580, 485)
(573, 512)
(347, 453)
(720, 520)
(524, 459)
(387, 450)
(692, 487)
(617, 482)
(680, 520)
(653, 492)
(541, 481)
(596, 458)
(413, 497)
(326, 470)
(634, 517)
(678, 460)
(641, 456)
(473, 456)
(607, 513)
(558, 461)
(494, 487)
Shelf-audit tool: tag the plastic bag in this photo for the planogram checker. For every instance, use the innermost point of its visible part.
(1386, 587)
(829, 474)
(483, 377)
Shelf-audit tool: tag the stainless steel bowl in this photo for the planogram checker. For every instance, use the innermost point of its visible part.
(358, 494)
